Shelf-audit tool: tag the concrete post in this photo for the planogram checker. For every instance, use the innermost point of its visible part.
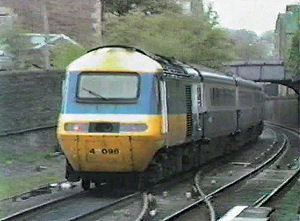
(46, 32)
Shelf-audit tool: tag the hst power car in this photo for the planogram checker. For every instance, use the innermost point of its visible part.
(129, 113)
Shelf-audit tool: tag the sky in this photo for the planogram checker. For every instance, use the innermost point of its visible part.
(254, 15)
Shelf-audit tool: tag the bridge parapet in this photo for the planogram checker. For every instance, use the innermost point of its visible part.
(264, 71)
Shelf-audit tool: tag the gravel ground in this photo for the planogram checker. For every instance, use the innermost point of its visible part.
(229, 171)
(287, 204)
(251, 155)
(127, 211)
(212, 178)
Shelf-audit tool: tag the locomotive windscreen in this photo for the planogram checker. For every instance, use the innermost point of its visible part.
(106, 87)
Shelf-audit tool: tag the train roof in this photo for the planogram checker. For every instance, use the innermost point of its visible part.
(248, 84)
(119, 58)
(115, 59)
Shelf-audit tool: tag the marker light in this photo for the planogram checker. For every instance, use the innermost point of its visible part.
(133, 128)
(77, 127)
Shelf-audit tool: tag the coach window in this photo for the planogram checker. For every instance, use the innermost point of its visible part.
(222, 97)
(246, 98)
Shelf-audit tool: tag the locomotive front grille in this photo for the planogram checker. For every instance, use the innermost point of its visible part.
(189, 114)
(104, 127)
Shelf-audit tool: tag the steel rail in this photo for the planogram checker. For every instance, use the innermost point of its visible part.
(219, 190)
(35, 190)
(16, 132)
(171, 217)
(38, 207)
(284, 127)
(84, 215)
(28, 211)
(266, 198)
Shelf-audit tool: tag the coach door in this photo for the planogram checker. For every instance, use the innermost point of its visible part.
(164, 107)
(175, 111)
(197, 111)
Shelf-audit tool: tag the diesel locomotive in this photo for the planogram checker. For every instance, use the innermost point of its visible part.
(130, 113)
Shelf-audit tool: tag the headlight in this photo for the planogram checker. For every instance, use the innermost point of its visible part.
(133, 127)
(77, 127)
(105, 128)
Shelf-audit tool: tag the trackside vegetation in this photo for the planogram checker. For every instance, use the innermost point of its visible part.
(191, 39)
(294, 56)
(64, 54)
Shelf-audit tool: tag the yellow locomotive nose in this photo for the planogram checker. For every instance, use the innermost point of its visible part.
(109, 146)
(100, 153)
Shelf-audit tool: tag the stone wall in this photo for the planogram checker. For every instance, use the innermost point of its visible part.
(282, 110)
(29, 99)
(32, 99)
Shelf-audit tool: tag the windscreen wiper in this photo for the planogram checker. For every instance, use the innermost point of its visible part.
(95, 94)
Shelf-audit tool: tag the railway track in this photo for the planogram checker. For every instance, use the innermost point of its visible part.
(173, 198)
(80, 206)
(211, 200)
(225, 187)
(33, 129)
(130, 206)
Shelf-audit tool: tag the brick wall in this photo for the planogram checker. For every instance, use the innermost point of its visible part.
(29, 99)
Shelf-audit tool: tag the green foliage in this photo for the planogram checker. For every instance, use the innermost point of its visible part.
(268, 36)
(255, 51)
(158, 7)
(243, 36)
(122, 8)
(119, 7)
(12, 42)
(294, 55)
(249, 46)
(212, 15)
(287, 206)
(187, 38)
(64, 54)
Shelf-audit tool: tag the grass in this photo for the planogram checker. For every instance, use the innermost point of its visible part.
(287, 208)
(18, 173)
(15, 186)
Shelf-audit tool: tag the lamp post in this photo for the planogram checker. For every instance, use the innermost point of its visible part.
(46, 32)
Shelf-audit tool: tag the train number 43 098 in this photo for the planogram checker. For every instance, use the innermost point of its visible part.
(105, 151)
(110, 151)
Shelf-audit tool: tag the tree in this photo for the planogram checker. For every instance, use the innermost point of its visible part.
(243, 36)
(211, 15)
(268, 36)
(187, 38)
(249, 46)
(122, 8)
(14, 44)
(159, 7)
(294, 56)
(119, 7)
(64, 54)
